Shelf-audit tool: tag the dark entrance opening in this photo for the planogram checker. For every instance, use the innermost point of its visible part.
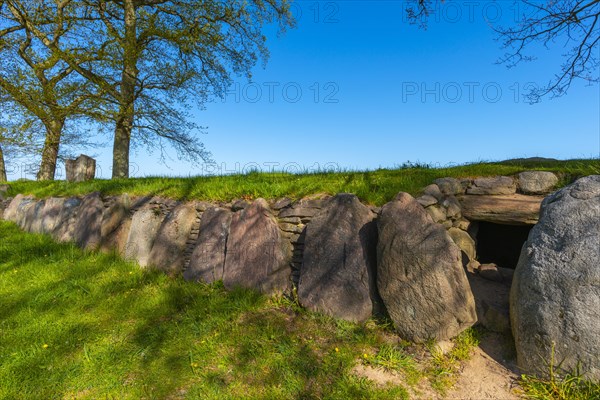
(501, 244)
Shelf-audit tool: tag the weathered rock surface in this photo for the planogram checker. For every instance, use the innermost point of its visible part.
(537, 182)
(208, 259)
(420, 275)
(145, 225)
(10, 212)
(51, 213)
(451, 186)
(513, 209)
(555, 296)
(86, 232)
(65, 227)
(433, 190)
(337, 276)
(493, 186)
(427, 200)
(32, 217)
(83, 168)
(465, 242)
(115, 225)
(303, 208)
(257, 255)
(168, 249)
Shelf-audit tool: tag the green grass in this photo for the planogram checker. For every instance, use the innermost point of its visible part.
(373, 187)
(86, 325)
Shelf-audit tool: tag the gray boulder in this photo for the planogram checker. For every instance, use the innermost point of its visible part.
(86, 232)
(51, 213)
(493, 186)
(451, 186)
(420, 275)
(145, 225)
(10, 212)
(537, 182)
(337, 276)
(32, 217)
(208, 259)
(257, 255)
(115, 225)
(168, 249)
(555, 296)
(65, 227)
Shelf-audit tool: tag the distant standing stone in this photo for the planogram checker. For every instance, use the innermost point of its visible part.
(83, 168)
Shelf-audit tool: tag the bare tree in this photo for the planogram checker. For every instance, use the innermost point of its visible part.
(570, 24)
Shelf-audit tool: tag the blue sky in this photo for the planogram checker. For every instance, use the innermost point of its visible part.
(355, 86)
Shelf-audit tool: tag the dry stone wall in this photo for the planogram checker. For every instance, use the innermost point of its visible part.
(414, 259)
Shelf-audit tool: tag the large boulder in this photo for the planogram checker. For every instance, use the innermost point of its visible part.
(257, 255)
(65, 227)
(12, 213)
(145, 225)
(51, 213)
(32, 217)
(337, 276)
(537, 182)
(208, 259)
(420, 275)
(86, 232)
(81, 169)
(555, 296)
(116, 222)
(168, 249)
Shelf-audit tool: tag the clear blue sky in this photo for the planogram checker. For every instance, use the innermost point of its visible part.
(377, 92)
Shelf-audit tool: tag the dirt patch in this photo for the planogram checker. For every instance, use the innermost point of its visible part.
(489, 374)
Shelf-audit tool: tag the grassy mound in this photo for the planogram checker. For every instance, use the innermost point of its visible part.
(372, 187)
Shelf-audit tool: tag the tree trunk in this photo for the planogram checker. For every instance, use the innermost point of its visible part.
(125, 118)
(2, 167)
(50, 151)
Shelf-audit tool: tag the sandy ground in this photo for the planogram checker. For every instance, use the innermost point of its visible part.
(489, 374)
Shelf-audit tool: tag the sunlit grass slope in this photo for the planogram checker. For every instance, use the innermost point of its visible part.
(374, 187)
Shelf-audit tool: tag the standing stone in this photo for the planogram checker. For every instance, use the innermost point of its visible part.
(11, 213)
(32, 217)
(145, 225)
(257, 255)
(50, 214)
(337, 276)
(83, 168)
(87, 232)
(208, 259)
(537, 182)
(65, 228)
(555, 296)
(420, 275)
(115, 225)
(168, 249)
